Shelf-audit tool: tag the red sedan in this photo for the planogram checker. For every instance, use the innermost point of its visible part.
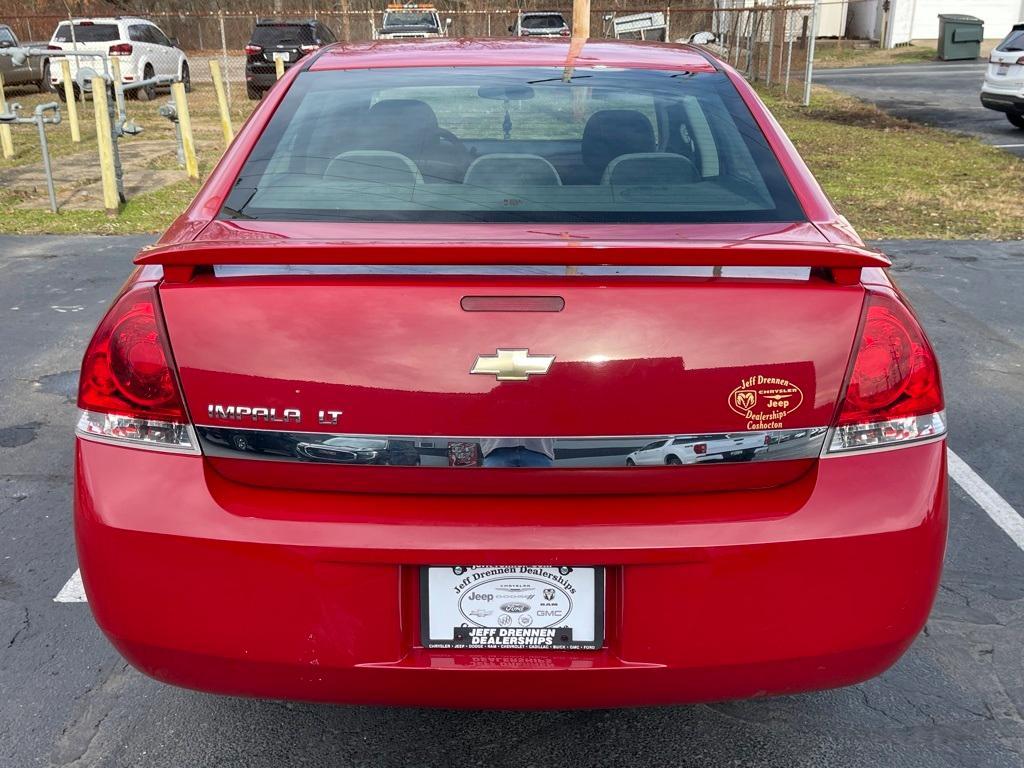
(359, 427)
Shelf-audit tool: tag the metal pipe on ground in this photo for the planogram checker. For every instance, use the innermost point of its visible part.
(11, 116)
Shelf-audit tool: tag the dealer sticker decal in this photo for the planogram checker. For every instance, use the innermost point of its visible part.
(764, 401)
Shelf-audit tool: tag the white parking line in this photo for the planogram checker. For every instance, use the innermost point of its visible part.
(73, 591)
(1007, 146)
(995, 506)
(1002, 514)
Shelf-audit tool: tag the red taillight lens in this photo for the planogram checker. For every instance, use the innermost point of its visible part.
(252, 50)
(895, 372)
(127, 367)
(700, 448)
(895, 393)
(121, 49)
(564, 33)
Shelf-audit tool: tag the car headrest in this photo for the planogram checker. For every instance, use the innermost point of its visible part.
(655, 168)
(374, 167)
(504, 169)
(613, 132)
(405, 115)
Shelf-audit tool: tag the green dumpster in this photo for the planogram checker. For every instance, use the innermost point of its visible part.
(960, 36)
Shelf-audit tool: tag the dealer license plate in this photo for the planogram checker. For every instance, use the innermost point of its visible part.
(515, 606)
(284, 56)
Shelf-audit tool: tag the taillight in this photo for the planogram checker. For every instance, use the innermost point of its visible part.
(895, 393)
(121, 49)
(310, 48)
(127, 391)
(54, 48)
(563, 33)
(700, 448)
(252, 50)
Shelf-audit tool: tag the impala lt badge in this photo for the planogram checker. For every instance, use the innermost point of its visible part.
(512, 364)
(272, 415)
(254, 413)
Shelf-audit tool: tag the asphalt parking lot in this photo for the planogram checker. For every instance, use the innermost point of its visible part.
(943, 94)
(66, 698)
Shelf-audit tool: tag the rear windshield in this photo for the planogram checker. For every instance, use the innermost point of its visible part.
(1013, 42)
(86, 33)
(512, 144)
(272, 34)
(410, 19)
(543, 22)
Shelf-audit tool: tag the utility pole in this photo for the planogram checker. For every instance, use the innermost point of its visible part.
(809, 70)
(581, 19)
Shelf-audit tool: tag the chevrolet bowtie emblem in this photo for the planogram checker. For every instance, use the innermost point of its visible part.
(512, 364)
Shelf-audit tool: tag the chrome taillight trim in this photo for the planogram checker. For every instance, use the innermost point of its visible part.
(149, 434)
(577, 452)
(884, 435)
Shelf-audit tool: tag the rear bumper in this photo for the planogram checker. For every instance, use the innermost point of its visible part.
(261, 80)
(1003, 102)
(221, 587)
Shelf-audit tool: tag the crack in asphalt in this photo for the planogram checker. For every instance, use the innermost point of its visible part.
(26, 623)
(77, 746)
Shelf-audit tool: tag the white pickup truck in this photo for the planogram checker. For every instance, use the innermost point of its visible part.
(694, 449)
(403, 21)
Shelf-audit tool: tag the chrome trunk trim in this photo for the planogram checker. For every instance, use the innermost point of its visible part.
(467, 452)
(766, 272)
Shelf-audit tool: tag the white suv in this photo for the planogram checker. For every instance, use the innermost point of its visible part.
(695, 449)
(1003, 89)
(142, 48)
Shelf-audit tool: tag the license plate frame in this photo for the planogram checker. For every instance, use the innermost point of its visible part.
(1003, 69)
(541, 588)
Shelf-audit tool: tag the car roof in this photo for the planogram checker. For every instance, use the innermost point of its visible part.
(106, 19)
(512, 51)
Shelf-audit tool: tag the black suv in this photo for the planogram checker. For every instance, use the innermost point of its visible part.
(289, 40)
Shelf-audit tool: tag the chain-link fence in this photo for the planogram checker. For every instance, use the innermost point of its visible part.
(769, 43)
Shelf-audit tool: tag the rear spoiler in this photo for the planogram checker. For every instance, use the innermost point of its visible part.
(843, 262)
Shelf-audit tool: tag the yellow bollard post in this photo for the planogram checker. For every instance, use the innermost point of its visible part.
(105, 140)
(188, 144)
(279, 67)
(222, 101)
(6, 142)
(69, 97)
(115, 72)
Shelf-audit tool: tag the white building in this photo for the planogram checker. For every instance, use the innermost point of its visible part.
(832, 15)
(907, 20)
